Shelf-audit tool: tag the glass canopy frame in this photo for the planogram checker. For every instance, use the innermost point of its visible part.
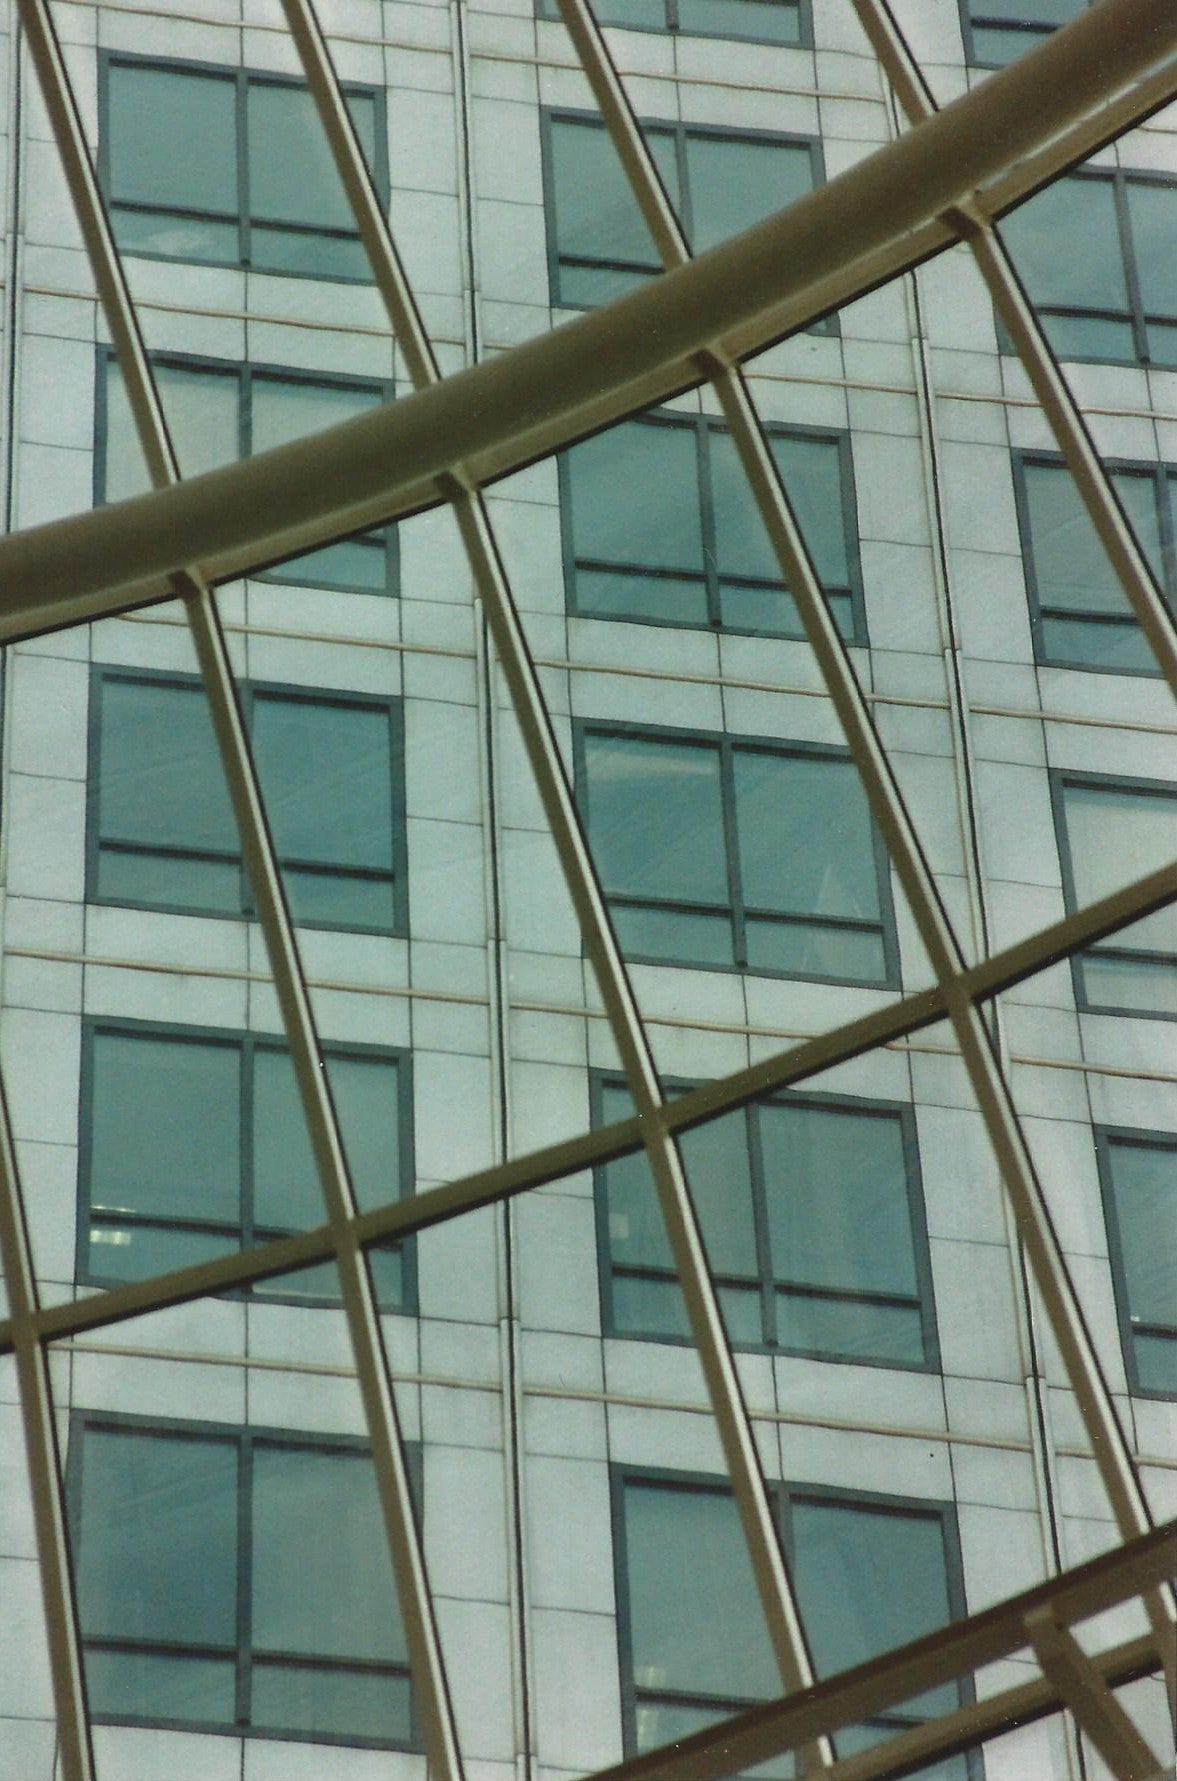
(947, 179)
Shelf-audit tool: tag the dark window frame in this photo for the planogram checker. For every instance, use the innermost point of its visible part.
(924, 1301)
(726, 743)
(1106, 1137)
(705, 427)
(245, 1042)
(391, 705)
(680, 132)
(243, 1437)
(1136, 317)
(244, 372)
(991, 17)
(547, 10)
(1059, 779)
(782, 1496)
(242, 79)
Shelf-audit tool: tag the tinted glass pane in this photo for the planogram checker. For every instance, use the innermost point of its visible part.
(836, 1187)
(330, 1597)
(635, 498)
(165, 1133)
(656, 816)
(1041, 235)
(326, 771)
(1089, 337)
(159, 777)
(1117, 835)
(768, 610)
(168, 882)
(157, 1539)
(292, 177)
(812, 473)
(662, 1723)
(348, 1703)
(286, 1191)
(736, 181)
(1091, 644)
(150, 111)
(672, 934)
(1156, 1363)
(636, 1232)
(1070, 565)
(148, 1685)
(805, 836)
(179, 237)
(1130, 985)
(648, 1307)
(286, 409)
(1144, 1180)
(334, 900)
(1153, 213)
(359, 563)
(742, 545)
(853, 1328)
(204, 412)
(804, 949)
(716, 1161)
(367, 1104)
(307, 251)
(136, 1251)
(695, 1617)
(768, 21)
(597, 217)
(866, 1580)
(664, 599)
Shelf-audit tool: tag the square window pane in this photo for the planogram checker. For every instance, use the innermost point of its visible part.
(735, 181)
(1041, 236)
(156, 1539)
(597, 217)
(1156, 1363)
(326, 772)
(292, 176)
(150, 111)
(837, 1197)
(160, 780)
(1116, 834)
(656, 818)
(165, 1127)
(328, 1597)
(203, 410)
(634, 498)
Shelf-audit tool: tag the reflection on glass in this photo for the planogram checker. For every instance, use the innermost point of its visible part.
(1111, 833)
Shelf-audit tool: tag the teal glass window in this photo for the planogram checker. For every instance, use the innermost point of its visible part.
(1081, 616)
(660, 526)
(203, 1604)
(218, 412)
(870, 1574)
(997, 31)
(719, 181)
(230, 168)
(1117, 300)
(711, 852)
(1138, 1174)
(755, 21)
(1111, 831)
(193, 1145)
(812, 1219)
(161, 833)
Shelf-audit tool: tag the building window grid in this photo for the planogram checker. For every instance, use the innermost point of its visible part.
(97, 844)
(736, 20)
(846, 600)
(654, 130)
(247, 1231)
(1136, 315)
(1132, 1325)
(242, 80)
(243, 1653)
(783, 1498)
(770, 1283)
(1153, 960)
(1044, 612)
(320, 568)
(738, 910)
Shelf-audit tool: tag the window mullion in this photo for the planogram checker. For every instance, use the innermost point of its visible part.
(735, 889)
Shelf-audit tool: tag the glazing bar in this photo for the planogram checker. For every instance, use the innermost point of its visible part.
(374, 1379)
(556, 795)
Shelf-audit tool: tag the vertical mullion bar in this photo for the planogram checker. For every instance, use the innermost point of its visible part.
(560, 809)
(258, 851)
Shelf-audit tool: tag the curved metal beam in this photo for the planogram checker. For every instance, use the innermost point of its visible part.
(873, 221)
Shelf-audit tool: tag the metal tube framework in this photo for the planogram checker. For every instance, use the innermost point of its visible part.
(946, 180)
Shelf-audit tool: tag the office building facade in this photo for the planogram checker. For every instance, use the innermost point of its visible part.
(657, 1415)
